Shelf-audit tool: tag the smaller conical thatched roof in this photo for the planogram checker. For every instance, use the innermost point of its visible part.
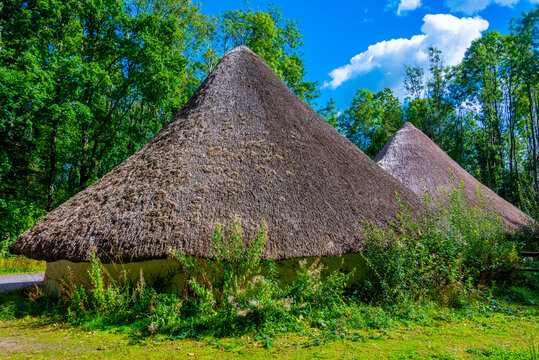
(414, 159)
(244, 145)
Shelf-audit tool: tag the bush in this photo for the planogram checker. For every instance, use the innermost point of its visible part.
(113, 299)
(445, 254)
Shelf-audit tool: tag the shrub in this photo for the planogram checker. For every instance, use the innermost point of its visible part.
(113, 299)
(444, 254)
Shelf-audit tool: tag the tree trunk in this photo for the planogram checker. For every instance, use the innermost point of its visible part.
(51, 175)
(534, 142)
(512, 146)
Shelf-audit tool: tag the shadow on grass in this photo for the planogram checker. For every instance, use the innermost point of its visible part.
(21, 304)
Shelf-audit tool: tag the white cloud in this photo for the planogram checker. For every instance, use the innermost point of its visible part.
(473, 6)
(450, 34)
(408, 5)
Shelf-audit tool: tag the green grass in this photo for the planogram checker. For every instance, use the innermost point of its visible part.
(452, 335)
(20, 265)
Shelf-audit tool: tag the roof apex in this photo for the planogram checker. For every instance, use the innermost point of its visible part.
(241, 48)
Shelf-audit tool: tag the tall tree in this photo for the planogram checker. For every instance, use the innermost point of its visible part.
(371, 119)
(481, 76)
(84, 85)
(526, 33)
(276, 39)
(430, 105)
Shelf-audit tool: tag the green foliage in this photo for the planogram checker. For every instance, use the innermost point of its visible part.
(430, 106)
(230, 277)
(83, 86)
(229, 293)
(11, 264)
(113, 299)
(497, 81)
(446, 254)
(371, 119)
(269, 35)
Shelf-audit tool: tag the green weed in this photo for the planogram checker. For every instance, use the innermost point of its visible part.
(447, 254)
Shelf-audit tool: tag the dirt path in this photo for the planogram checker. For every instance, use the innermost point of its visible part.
(21, 281)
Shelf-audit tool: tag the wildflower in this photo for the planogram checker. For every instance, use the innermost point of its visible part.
(243, 312)
(152, 327)
(256, 304)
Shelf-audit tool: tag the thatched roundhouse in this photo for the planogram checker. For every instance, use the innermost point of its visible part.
(415, 160)
(243, 146)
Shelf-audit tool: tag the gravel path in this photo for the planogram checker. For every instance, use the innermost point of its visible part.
(22, 281)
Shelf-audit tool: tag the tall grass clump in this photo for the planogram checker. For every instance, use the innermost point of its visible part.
(447, 254)
(232, 290)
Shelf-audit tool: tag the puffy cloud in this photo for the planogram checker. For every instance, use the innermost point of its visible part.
(473, 6)
(450, 34)
(408, 5)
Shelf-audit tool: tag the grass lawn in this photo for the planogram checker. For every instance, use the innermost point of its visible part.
(20, 265)
(492, 336)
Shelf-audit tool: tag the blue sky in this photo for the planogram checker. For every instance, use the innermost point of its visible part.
(364, 44)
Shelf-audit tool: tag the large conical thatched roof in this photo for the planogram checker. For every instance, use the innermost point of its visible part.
(415, 160)
(244, 145)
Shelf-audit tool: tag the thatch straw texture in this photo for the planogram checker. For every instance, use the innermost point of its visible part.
(244, 145)
(415, 160)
